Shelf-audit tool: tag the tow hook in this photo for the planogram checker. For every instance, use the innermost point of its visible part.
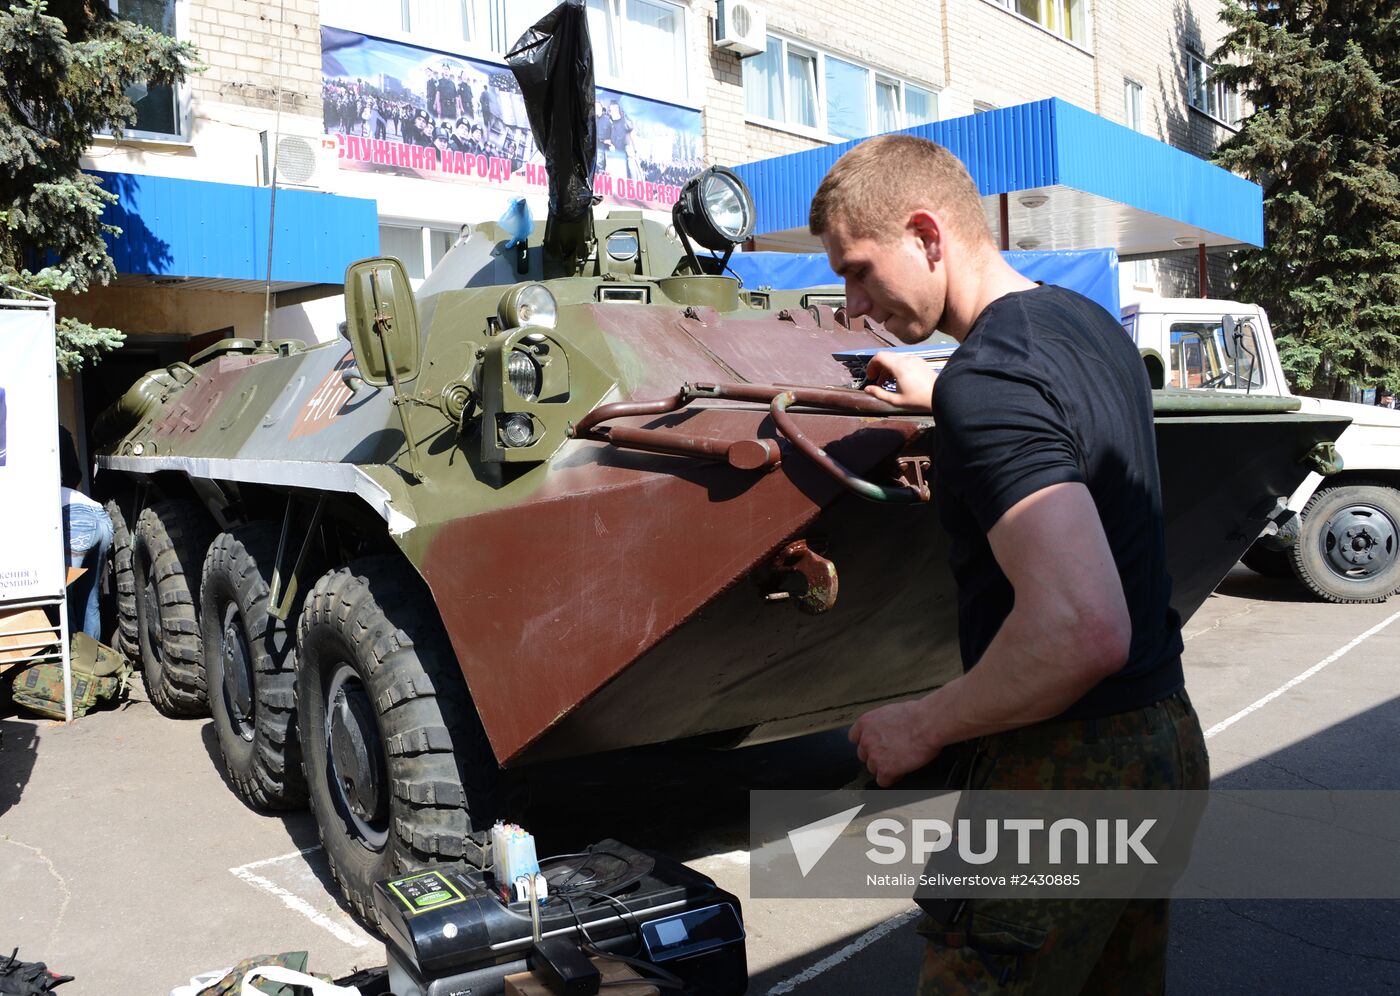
(818, 577)
(913, 471)
(1324, 459)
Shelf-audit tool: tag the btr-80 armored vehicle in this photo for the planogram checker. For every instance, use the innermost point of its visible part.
(564, 499)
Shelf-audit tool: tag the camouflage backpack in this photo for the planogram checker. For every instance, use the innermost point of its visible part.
(99, 676)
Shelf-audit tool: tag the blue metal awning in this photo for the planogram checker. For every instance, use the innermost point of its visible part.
(1074, 180)
(1091, 272)
(194, 230)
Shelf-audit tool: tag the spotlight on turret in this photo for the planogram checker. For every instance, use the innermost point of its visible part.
(716, 210)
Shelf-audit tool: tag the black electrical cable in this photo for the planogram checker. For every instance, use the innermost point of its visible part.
(657, 976)
(583, 931)
(672, 980)
(567, 892)
(568, 886)
(722, 265)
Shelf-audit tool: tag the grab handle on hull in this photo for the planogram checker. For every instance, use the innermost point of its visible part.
(757, 454)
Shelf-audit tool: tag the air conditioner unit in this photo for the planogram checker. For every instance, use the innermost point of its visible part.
(741, 27)
(299, 160)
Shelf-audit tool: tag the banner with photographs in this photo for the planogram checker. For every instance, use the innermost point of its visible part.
(403, 110)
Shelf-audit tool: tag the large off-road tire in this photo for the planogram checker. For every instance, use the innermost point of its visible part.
(399, 771)
(1269, 562)
(167, 560)
(121, 584)
(249, 663)
(1348, 547)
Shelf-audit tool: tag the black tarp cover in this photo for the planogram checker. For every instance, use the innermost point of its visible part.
(553, 63)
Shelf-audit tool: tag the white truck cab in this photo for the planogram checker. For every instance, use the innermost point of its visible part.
(1340, 534)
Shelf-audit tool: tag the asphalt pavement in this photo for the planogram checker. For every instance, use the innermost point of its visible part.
(126, 861)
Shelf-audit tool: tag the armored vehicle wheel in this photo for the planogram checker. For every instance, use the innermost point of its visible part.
(249, 667)
(167, 554)
(1268, 562)
(122, 584)
(398, 768)
(1348, 547)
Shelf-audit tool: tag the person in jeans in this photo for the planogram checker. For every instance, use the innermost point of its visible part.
(87, 534)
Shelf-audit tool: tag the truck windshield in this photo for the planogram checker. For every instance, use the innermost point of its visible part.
(1203, 355)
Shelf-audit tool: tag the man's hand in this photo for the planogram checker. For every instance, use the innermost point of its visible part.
(891, 740)
(912, 375)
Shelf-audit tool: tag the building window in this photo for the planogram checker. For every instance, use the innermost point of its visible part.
(802, 88)
(902, 105)
(638, 45)
(437, 19)
(157, 105)
(808, 90)
(847, 99)
(1132, 104)
(1062, 17)
(1144, 274)
(653, 45)
(1213, 97)
(413, 245)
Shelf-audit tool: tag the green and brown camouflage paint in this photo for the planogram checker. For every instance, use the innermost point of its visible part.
(599, 597)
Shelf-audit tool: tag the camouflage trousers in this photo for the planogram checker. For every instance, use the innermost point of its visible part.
(1066, 946)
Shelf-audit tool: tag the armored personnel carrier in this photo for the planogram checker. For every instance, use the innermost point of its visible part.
(581, 491)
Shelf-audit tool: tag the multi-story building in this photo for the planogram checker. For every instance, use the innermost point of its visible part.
(393, 123)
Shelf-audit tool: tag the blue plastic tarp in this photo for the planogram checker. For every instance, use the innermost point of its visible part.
(1091, 272)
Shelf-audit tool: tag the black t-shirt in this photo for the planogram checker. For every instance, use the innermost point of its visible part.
(1047, 388)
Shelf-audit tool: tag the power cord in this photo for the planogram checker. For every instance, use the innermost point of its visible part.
(651, 972)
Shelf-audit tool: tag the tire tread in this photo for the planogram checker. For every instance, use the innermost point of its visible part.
(176, 534)
(442, 771)
(1313, 575)
(267, 773)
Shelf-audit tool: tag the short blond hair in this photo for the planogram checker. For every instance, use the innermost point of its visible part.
(872, 189)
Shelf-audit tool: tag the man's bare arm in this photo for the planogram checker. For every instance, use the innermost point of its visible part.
(1069, 629)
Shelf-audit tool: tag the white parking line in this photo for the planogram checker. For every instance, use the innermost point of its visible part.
(294, 902)
(832, 960)
(1335, 656)
(281, 857)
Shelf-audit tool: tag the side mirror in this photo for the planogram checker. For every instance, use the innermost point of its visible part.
(381, 320)
(1227, 325)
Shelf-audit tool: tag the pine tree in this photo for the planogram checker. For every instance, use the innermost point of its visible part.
(1323, 77)
(66, 69)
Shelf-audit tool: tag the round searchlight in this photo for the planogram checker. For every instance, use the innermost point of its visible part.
(716, 209)
(528, 304)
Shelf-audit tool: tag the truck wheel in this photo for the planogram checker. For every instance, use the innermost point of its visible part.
(1269, 562)
(121, 583)
(167, 554)
(399, 771)
(1348, 547)
(249, 666)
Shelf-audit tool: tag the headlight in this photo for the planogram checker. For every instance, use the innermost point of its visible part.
(528, 304)
(524, 374)
(517, 430)
(716, 209)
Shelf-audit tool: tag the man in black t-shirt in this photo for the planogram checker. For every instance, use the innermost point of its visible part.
(1045, 478)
